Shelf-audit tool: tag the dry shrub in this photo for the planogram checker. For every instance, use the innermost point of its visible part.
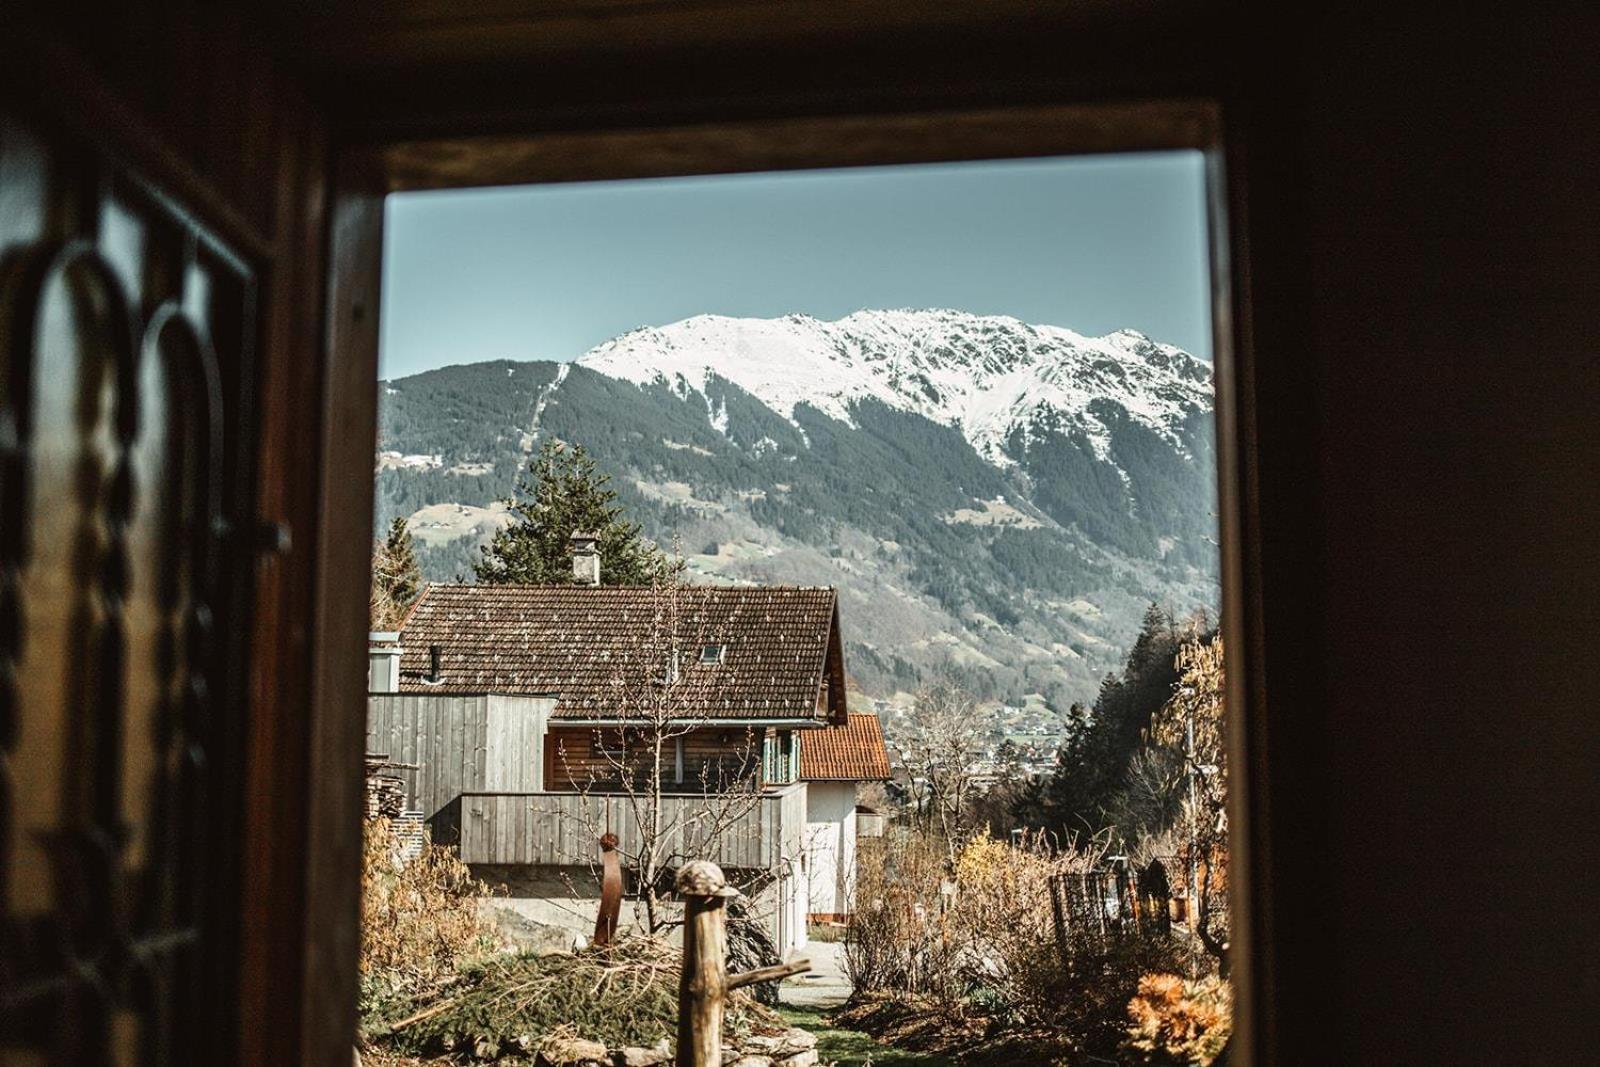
(948, 928)
(1083, 993)
(1081, 988)
(1175, 1021)
(1004, 907)
(900, 937)
(990, 948)
(419, 919)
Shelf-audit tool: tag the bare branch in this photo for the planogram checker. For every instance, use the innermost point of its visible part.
(768, 974)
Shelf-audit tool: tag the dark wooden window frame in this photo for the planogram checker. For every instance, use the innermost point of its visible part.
(368, 172)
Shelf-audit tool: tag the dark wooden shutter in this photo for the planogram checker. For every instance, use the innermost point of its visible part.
(126, 402)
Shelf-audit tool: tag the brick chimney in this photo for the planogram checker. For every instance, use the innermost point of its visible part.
(585, 558)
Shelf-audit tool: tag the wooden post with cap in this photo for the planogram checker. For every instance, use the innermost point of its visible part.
(704, 985)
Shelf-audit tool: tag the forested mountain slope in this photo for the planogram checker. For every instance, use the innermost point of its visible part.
(1000, 496)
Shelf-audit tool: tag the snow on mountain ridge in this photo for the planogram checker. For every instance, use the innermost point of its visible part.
(988, 375)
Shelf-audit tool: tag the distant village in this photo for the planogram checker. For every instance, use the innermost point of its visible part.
(1020, 739)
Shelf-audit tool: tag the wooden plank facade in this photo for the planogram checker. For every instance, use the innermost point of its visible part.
(448, 745)
(488, 772)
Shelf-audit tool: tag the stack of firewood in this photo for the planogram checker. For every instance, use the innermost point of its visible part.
(386, 794)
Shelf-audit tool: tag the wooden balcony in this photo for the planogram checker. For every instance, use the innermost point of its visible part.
(562, 829)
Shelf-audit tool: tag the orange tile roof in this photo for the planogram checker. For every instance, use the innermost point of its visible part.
(853, 752)
(584, 644)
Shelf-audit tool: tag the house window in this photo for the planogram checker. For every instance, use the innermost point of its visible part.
(609, 745)
(713, 653)
(780, 758)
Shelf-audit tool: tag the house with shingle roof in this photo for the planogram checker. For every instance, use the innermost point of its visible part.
(833, 764)
(515, 707)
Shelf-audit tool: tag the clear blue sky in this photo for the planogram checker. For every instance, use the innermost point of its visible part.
(547, 272)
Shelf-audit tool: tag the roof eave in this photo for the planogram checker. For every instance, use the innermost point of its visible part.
(838, 704)
(708, 722)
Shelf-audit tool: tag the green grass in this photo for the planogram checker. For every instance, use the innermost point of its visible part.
(825, 932)
(852, 1048)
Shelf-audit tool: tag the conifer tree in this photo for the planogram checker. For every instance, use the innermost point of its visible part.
(396, 576)
(406, 580)
(1081, 793)
(564, 492)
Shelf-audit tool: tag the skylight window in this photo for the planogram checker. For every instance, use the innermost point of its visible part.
(713, 653)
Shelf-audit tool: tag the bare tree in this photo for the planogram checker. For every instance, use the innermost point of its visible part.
(939, 752)
(661, 692)
(1153, 792)
(874, 796)
(1193, 723)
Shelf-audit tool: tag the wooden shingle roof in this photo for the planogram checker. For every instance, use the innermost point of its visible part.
(853, 752)
(597, 648)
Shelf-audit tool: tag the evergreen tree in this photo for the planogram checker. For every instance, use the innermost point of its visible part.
(405, 580)
(1082, 793)
(396, 577)
(564, 492)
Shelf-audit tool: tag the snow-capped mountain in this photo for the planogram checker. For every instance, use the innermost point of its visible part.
(990, 376)
(1003, 496)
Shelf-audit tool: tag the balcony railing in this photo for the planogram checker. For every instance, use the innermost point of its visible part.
(562, 829)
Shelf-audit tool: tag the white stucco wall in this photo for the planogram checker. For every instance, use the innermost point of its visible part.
(789, 898)
(831, 845)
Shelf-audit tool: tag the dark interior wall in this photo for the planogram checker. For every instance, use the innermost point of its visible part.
(1422, 219)
(413, 68)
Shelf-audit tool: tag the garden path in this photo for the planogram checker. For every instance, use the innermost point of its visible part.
(825, 986)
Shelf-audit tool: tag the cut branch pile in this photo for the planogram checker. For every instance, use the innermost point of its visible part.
(517, 1005)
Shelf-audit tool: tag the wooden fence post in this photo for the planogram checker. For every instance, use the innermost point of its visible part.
(1057, 885)
(704, 985)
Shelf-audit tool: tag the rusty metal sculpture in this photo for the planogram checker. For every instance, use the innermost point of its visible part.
(605, 924)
